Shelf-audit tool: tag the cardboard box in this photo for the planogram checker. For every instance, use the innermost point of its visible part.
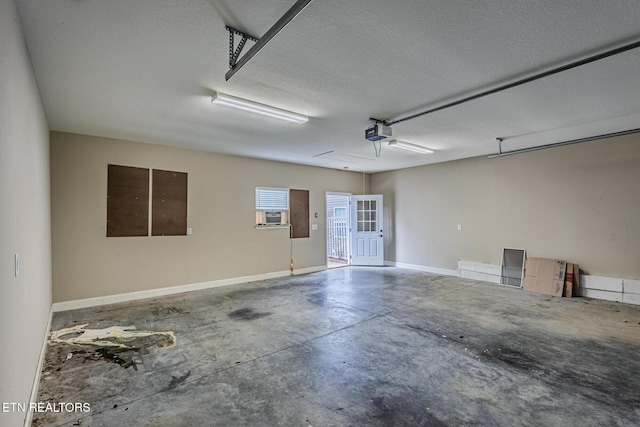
(572, 281)
(544, 276)
(568, 280)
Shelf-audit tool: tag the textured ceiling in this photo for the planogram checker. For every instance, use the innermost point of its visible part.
(144, 70)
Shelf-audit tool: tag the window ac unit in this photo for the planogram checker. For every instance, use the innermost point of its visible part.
(273, 218)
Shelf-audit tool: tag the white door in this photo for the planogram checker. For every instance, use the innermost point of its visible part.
(366, 230)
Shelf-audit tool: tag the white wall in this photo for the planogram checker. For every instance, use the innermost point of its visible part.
(579, 203)
(221, 211)
(25, 300)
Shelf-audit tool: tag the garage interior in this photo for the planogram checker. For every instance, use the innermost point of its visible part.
(525, 118)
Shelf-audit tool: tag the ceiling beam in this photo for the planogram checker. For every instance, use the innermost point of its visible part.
(560, 144)
(271, 33)
(538, 76)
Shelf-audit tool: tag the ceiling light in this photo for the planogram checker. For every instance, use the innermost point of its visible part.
(408, 146)
(256, 107)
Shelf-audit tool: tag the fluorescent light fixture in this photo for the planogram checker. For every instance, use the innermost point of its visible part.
(256, 107)
(409, 146)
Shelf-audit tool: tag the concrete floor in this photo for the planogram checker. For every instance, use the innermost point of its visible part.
(354, 347)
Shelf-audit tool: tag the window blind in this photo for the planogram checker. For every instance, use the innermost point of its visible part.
(272, 199)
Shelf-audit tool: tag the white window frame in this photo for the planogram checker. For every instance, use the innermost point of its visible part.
(273, 205)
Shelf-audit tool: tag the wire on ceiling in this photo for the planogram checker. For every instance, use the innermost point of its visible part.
(377, 149)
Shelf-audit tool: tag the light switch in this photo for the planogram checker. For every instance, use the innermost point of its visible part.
(189, 231)
(314, 226)
(459, 227)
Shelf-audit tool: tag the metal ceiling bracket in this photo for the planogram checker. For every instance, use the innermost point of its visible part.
(234, 52)
(563, 143)
(235, 64)
(382, 122)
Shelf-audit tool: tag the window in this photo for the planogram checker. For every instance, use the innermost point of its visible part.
(340, 212)
(272, 206)
(283, 207)
(367, 215)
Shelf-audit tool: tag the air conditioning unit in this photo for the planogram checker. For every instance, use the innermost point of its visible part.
(273, 218)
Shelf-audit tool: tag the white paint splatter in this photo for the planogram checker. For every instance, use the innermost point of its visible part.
(114, 336)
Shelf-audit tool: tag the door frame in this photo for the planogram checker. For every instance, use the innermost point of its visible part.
(326, 231)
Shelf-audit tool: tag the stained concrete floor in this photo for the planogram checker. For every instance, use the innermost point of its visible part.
(355, 347)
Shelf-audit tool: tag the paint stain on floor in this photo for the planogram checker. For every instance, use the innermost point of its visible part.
(121, 345)
(125, 337)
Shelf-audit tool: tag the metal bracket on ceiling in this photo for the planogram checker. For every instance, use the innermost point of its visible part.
(235, 51)
(379, 121)
(236, 63)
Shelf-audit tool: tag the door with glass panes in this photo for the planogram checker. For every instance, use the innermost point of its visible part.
(367, 230)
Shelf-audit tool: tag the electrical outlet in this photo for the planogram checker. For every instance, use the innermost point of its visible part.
(459, 227)
(17, 264)
(314, 226)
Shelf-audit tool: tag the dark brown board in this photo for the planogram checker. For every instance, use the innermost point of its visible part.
(127, 201)
(169, 203)
(299, 210)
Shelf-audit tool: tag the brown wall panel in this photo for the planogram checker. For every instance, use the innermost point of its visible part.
(169, 204)
(127, 201)
(299, 209)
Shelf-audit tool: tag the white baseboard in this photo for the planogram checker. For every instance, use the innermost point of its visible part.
(434, 270)
(631, 286)
(480, 271)
(608, 284)
(171, 290)
(598, 294)
(605, 288)
(308, 270)
(610, 289)
(631, 298)
(36, 379)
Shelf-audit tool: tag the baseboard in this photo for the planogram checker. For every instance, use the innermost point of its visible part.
(597, 287)
(28, 419)
(599, 294)
(308, 270)
(480, 271)
(434, 270)
(610, 289)
(171, 290)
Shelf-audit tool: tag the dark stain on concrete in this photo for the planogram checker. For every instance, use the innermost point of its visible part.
(437, 334)
(318, 298)
(401, 411)
(122, 358)
(247, 314)
(167, 310)
(608, 386)
(512, 357)
(175, 381)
